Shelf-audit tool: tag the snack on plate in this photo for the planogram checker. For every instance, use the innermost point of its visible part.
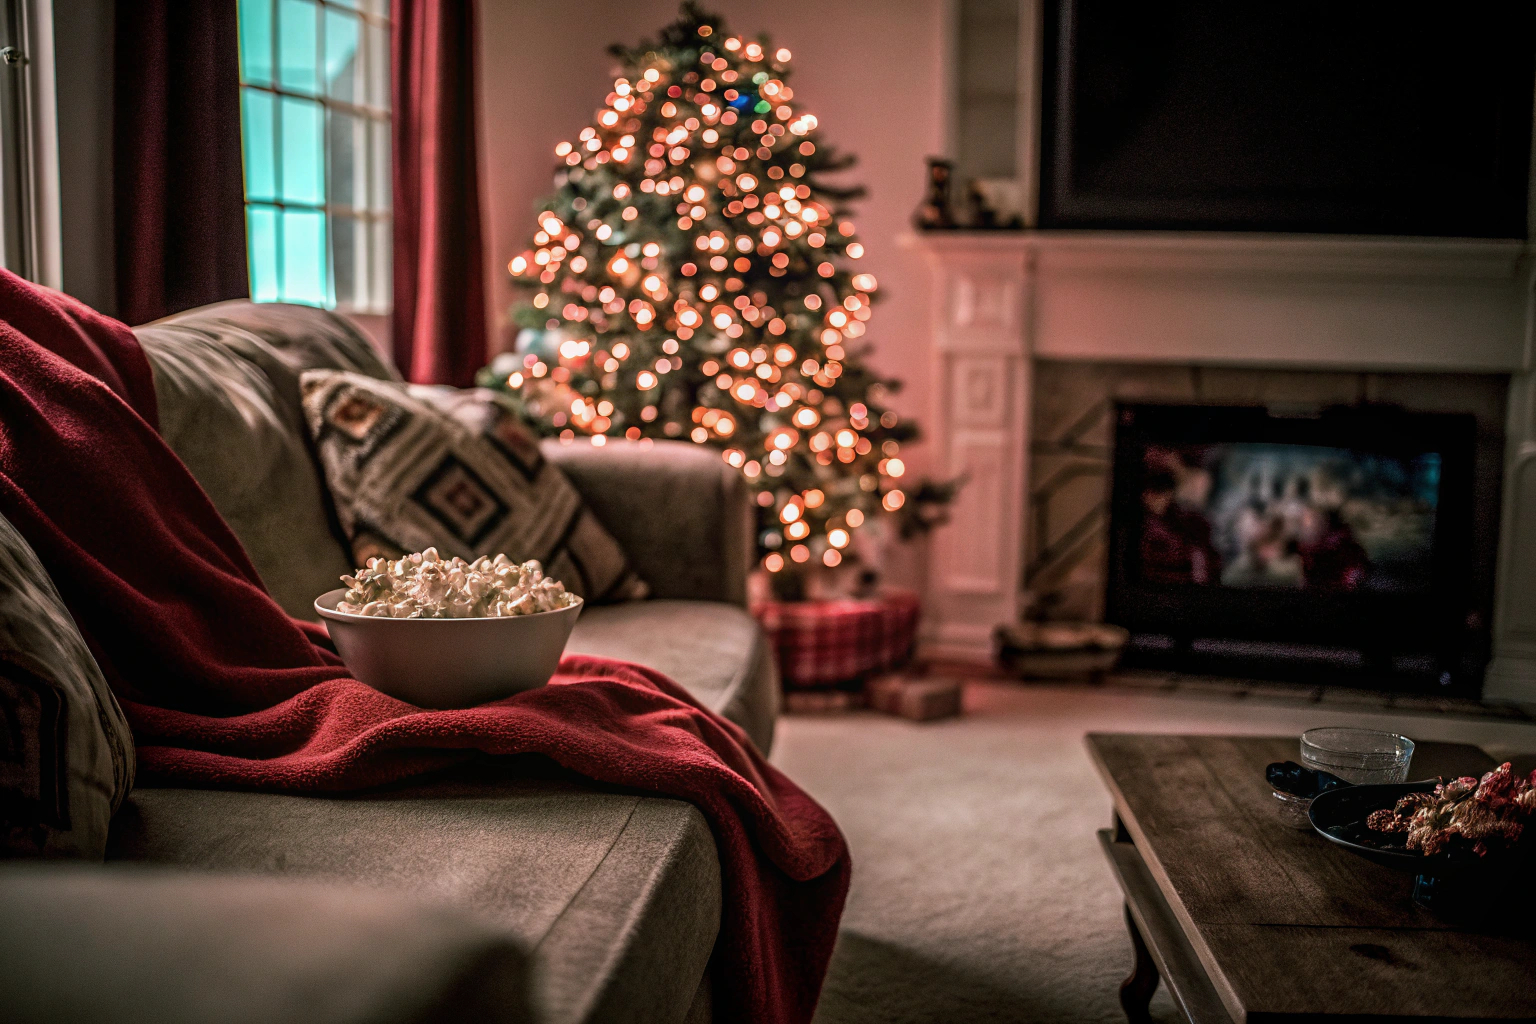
(424, 586)
(1484, 814)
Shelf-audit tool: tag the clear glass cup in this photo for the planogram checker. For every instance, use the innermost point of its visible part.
(1293, 810)
(1360, 756)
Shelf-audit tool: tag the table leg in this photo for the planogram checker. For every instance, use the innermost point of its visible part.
(1136, 991)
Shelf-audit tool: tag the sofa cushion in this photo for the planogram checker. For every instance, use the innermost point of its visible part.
(715, 650)
(223, 416)
(66, 753)
(616, 895)
(419, 468)
(227, 383)
(291, 339)
(137, 944)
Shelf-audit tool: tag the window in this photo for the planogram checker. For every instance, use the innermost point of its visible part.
(20, 241)
(314, 92)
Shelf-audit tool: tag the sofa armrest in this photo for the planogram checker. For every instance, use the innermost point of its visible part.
(679, 512)
(117, 944)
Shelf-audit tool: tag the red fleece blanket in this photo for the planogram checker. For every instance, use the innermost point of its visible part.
(225, 690)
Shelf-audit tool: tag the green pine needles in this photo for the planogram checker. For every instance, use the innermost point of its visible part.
(695, 278)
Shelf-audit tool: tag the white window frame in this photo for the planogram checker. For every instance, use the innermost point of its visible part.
(30, 228)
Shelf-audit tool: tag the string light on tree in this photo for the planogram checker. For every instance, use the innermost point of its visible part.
(693, 277)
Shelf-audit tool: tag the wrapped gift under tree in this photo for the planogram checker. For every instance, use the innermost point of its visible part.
(832, 642)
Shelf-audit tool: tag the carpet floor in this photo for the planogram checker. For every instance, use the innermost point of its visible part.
(979, 890)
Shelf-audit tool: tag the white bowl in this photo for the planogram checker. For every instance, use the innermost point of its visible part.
(449, 663)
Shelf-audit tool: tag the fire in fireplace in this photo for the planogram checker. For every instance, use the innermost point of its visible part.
(1334, 545)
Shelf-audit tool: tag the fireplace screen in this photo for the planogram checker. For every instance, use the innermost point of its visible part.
(1345, 532)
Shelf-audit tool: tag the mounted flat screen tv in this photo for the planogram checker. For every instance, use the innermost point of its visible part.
(1303, 116)
(1341, 537)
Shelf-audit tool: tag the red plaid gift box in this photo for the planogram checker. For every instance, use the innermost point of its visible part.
(822, 643)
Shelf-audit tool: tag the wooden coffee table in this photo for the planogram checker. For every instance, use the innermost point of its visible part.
(1249, 920)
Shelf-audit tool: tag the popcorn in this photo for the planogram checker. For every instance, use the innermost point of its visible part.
(424, 586)
(1484, 814)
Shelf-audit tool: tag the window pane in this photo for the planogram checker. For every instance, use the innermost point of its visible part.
(303, 156)
(261, 244)
(304, 277)
(256, 41)
(379, 166)
(343, 57)
(297, 50)
(317, 178)
(380, 263)
(348, 151)
(256, 136)
(349, 240)
(378, 67)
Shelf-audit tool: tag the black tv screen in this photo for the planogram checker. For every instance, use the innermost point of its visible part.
(1359, 118)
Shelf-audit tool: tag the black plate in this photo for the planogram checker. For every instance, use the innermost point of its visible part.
(1480, 892)
(1339, 817)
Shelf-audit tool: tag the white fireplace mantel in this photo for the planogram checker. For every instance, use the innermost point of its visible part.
(1003, 299)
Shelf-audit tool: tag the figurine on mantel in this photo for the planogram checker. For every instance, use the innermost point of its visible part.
(983, 217)
(992, 203)
(936, 211)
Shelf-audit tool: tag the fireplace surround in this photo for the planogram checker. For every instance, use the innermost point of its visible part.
(1445, 321)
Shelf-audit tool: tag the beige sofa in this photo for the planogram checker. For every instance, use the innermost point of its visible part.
(613, 898)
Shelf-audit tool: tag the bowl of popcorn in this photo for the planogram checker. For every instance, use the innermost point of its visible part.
(445, 633)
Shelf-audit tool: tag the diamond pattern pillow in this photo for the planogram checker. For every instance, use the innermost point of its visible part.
(415, 467)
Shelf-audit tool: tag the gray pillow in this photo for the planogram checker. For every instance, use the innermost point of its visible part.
(66, 754)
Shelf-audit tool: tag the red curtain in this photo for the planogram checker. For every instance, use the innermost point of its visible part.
(178, 178)
(439, 331)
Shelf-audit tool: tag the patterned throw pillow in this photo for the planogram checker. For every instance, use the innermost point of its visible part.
(416, 467)
(66, 755)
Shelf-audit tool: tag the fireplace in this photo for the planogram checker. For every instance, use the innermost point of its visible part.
(1037, 334)
(1272, 540)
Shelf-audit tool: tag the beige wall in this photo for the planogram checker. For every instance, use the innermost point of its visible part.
(869, 71)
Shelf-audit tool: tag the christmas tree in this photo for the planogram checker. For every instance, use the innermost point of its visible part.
(695, 277)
